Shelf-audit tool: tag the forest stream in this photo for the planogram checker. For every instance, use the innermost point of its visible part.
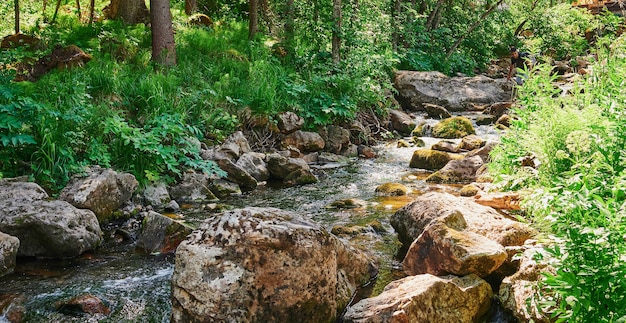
(137, 287)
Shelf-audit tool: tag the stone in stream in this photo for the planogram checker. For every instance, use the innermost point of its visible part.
(264, 265)
(446, 247)
(102, 191)
(425, 299)
(8, 253)
(45, 228)
(429, 159)
(411, 220)
(402, 122)
(454, 127)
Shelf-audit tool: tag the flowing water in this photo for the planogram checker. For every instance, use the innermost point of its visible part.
(136, 287)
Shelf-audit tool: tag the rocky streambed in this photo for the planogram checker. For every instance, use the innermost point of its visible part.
(314, 237)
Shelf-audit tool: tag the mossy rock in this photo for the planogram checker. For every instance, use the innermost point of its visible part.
(392, 189)
(420, 130)
(403, 144)
(350, 203)
(452, 128)
(418, 142)
(430, 159)
(469, 190)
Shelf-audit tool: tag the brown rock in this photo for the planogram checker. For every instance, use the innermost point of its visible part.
(411, 220)
(425, 299)
(445, 247)
(264, 265)
(500, 200)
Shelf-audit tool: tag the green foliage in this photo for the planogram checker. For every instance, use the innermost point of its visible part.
(423, 48)
(578, 190)
(161, 149)
(561, 31)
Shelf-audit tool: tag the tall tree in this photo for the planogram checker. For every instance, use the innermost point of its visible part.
(17, 16)
(163, 45)
(253, 16)
(336, 41)
(191, 6)
(92, 8)
(130, 11)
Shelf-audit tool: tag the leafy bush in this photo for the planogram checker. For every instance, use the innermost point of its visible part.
(578, 189)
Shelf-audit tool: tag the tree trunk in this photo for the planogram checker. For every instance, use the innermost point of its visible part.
(17, 16)
(92, 8)
(395, 20)
(336, 41)
(163, 46)
(433, 18)
(191, 7)
(56, 10)
(472, 27)
(79, 10)
(130, 11)
(253, 27)
(289, 23)
(268, 16)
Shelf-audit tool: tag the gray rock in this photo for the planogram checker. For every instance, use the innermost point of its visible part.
(156, 195)
(193, 187)
(453, 93)
(238, 175)
(8, 253)
(223, 188)
(254, 164)
(50, 229)
(102, 191)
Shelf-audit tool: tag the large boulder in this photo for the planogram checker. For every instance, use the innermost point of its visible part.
(264, 265)
(411, 220)
(454, 93)
(8, 253)
(102, 191)
(445, 247)
(425, 299)
(47, 229)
